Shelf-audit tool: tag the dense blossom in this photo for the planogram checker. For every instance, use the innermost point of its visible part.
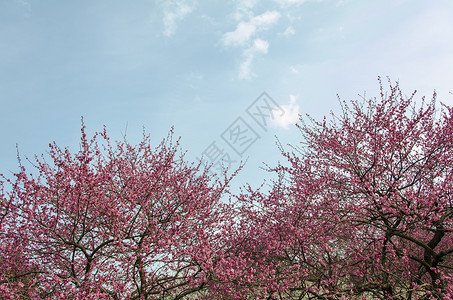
(364, 206)
(111, 221)
(361, 209)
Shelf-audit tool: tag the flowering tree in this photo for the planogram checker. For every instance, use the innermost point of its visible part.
(365, 207)
(113, 221)
(363, 210)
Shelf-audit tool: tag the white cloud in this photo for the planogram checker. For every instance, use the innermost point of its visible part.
(294, 70)
(289, 31)
(245, 30)
(260, 45)
(268, 18)
(175, 11)
(241, 35)
(289, 2)
(243, 8)
(245, 69)
(291, 115)
(247, 3)
(244, 33)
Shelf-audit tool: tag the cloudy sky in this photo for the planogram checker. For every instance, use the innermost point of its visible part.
(203, 66)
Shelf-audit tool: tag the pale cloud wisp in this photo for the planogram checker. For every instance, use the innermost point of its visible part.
(291, 115)
(175, 11)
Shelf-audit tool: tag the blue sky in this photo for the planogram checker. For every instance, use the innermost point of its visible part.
(198, 65)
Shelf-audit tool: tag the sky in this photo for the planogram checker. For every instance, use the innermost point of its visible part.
(230, 76)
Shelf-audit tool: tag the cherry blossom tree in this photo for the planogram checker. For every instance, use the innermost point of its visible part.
(363, 208)
(113, 221)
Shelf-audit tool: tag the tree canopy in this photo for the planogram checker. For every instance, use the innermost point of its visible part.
(362, 209)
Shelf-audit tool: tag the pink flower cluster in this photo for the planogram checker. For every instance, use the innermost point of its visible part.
(363, 210)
